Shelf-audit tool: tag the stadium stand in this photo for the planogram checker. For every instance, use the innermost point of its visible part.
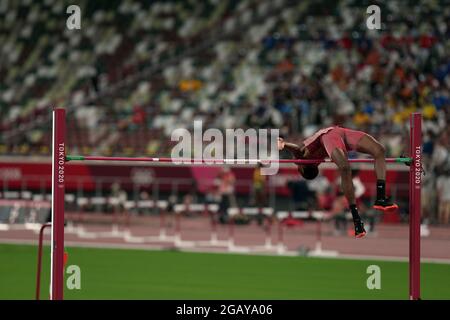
(141, 69)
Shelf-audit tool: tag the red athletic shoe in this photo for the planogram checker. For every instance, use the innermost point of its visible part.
(385, 205)
(360, 232)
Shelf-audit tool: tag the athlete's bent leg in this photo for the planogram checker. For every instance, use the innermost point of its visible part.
(339, 157)
(367, 144)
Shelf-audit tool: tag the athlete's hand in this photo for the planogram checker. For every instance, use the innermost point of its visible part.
(280, 143)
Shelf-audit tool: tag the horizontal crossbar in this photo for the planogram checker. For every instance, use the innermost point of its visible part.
(224, 161)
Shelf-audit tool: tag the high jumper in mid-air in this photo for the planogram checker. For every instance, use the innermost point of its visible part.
(334, 142)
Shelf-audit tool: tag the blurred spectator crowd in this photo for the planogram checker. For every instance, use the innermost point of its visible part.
(139, 69)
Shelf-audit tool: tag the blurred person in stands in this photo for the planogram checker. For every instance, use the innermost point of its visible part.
(440, 164)
(259, 187)
(118, 197)
(443, 194)
(226, 185)
(441, 152)
(428, 195)
(144, 196)
(335, 142)
(213, 196)
(259, 191)
(171, 202)
(192, 195)
(14, 214)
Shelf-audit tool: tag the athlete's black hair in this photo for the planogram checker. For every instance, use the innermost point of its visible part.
(309, 172)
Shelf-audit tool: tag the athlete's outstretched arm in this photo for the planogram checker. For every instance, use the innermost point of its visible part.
(297, 151)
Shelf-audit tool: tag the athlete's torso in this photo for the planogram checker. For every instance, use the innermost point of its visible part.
(314, 144)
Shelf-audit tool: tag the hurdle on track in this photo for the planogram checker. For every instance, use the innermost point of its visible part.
(207, 209)
(319, 217)
(30, 223)
(263, 212)
(59, 159)
(121, 229)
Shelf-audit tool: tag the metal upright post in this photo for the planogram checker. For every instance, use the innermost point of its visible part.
(415, 177)
(58, 180)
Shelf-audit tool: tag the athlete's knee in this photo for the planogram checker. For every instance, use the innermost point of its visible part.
(344, 166)
(379, 151)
